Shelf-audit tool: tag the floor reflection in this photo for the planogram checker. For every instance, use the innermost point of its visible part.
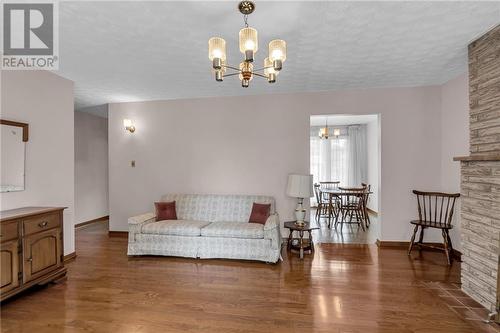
(351, 233)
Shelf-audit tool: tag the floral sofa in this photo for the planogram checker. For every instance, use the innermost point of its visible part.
(208, 226)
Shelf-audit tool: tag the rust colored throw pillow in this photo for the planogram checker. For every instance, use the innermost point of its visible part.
(260, 213)
(165, 211)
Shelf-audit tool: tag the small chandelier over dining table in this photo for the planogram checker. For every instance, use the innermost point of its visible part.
(249, 45)
(324, 132)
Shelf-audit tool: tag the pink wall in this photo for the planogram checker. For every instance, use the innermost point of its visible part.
(454, 138)
(45, 101)
(91, 167)
(250, 144)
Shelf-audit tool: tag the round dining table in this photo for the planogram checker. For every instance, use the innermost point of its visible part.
(343, 191)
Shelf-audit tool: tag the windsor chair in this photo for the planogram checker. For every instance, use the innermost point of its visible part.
(366, 199)
(435, 210)
(351, 204)
(323, 209)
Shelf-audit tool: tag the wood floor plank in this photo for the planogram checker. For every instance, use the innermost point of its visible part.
(340, 288)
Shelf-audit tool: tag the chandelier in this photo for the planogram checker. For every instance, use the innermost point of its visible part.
(249, 45)
(324, 133)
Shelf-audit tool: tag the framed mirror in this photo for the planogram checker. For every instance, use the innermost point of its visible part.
(13, 139)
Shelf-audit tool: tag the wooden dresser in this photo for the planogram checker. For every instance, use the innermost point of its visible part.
(32, 248)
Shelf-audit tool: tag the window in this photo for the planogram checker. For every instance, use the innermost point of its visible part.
(342, 158)
(329, 159)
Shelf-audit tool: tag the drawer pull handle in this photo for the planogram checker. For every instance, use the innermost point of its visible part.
(29, 259)
(43, 224)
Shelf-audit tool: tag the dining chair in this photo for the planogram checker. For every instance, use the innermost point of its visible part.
(350, 204)
(329, 199)
(366, 198)
(322, 210)
(330, 185)
(435, 210)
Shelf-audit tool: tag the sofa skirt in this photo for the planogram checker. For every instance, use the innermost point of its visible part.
(204, 247)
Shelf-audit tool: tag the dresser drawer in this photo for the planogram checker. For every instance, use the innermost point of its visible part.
(8, 231)
(41, 223)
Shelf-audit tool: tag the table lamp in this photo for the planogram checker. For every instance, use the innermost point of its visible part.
(300, 187)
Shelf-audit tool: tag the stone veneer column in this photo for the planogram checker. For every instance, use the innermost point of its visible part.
(484, 93)
(480, 220)
(480, 172)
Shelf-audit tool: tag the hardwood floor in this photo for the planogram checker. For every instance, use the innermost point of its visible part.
(350, 234)
(341, 288)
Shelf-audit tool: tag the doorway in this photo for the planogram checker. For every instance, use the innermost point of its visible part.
(345, 163)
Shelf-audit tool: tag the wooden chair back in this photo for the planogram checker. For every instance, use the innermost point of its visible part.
(367, 192)
(317, 193)
(329, 185)
(352, 197)
(436, 208)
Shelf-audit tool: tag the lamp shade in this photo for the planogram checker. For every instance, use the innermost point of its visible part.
(216, 48)
(300, 186)
(248, 40)
(277, 50)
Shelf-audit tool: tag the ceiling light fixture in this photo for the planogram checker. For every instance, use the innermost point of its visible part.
(249, 45)
(323, 132)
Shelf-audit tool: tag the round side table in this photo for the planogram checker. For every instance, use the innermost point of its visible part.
(302, 245)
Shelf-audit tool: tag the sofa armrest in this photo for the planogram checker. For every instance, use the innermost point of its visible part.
(272, 231)
(135, 224)
(139, 219)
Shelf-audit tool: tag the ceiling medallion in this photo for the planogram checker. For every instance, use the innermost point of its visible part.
(248, 47)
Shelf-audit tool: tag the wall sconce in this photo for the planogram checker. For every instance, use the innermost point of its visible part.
(127, 123)
(336, 132)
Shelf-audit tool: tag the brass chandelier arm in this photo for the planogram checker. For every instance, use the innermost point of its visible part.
(232, 74)
(231, 67)
(257, 74)
(239, 72)
(261, 69)
(255, 70)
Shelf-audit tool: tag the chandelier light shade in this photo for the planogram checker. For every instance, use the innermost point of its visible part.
(249, 45)
(324, 133)
(277, 53)
(277, 50)
(216, 48)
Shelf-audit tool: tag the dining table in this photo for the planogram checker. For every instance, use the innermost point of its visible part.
(342, 191)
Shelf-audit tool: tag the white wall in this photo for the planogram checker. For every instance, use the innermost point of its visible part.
(250, 144)
(44, 101)
(373, 158)
(454, 139)
(91, 167)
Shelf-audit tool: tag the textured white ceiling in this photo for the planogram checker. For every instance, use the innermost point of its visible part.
(129, 51)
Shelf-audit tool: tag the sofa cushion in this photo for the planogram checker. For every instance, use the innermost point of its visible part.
(233, 230)
(260, 213)
(165, 211)
(174, 228)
